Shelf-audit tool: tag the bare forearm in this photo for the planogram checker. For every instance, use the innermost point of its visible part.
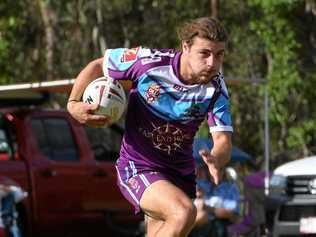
(92, 71)
(84, 112)
(222, 148)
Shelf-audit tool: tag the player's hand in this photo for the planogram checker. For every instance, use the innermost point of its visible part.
(212, 164)
(84, 113)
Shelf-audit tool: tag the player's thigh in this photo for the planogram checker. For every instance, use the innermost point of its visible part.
(162, 199)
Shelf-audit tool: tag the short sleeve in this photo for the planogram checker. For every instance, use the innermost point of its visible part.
(121, 63)
(219, 115)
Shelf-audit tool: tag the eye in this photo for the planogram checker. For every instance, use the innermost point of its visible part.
(220, 54)
(204, 53)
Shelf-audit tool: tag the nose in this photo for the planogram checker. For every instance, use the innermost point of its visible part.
(210, 61)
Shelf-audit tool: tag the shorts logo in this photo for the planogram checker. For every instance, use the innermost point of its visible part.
(129, 55)
(167, 138)
(133, 184)
(152, 93)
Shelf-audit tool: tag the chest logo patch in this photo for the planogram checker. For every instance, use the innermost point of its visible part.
(194, 111)
(152, 93)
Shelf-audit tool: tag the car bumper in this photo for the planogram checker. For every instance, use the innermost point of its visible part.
(286, 228)
(288, 215)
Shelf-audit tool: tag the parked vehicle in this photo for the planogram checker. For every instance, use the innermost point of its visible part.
(67, 170)
(293, 189)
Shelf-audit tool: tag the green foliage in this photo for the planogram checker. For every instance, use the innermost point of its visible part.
(270, 39)
(279, 31)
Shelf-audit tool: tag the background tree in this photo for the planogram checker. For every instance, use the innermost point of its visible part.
(273, 39)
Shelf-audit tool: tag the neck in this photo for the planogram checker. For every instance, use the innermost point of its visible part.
(184, 70)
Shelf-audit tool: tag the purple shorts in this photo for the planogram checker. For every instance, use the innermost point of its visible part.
(133, 183)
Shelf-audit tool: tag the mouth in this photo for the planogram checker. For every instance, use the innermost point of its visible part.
(208, 74)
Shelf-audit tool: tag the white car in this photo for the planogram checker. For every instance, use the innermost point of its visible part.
(293, 187)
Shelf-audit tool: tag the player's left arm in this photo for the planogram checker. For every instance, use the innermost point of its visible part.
(222, 147)
(220, 124)
(217, 158)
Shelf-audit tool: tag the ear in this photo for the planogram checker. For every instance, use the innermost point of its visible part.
(185, 47)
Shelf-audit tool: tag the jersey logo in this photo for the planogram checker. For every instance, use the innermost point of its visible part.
(152, 93)
(89, 100)
(145, 61)
(133, 184)
(129, 55)
(178, 87)
(193, 111)
(167, 138)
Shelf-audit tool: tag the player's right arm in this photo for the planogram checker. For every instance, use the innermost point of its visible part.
(83, 112)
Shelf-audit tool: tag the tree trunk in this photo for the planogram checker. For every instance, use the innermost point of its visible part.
(98, 36)
(48, 18)
(214, 8)
(310, 6)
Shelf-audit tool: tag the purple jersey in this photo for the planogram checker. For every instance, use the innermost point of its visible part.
(164, 114)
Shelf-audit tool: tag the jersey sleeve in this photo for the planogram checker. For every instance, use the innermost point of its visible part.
(123, 63)
(219, 115)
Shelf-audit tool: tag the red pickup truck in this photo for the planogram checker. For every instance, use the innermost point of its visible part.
(68, 172)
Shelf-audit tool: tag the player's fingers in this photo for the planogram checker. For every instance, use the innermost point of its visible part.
(206, 156)
(92, 107)
(202, 152)
(214, 176)
(217, 175)
(97, 118)
(216, 180)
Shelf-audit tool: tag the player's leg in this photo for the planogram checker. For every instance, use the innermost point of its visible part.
(152, 225)
(171, 211)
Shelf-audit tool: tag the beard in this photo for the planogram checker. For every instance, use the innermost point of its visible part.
(204, 77)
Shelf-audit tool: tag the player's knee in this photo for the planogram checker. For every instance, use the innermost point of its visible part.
(185, 214)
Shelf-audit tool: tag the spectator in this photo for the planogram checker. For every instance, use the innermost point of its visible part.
(10, 194)
(253, 223)
(217, 206)
(3, 192)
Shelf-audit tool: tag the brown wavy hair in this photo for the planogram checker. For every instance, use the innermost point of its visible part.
(204, 27)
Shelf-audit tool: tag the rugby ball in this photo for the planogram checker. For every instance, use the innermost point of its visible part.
(109, 94)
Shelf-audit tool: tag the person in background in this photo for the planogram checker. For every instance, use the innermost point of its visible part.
(10, 195)
(254, 221)
(217, 206)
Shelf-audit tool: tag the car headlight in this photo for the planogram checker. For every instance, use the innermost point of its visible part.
(277, 184)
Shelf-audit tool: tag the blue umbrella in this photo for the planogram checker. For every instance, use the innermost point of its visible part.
(206, 143)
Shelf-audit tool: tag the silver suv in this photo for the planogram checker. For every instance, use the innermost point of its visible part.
(293, 188)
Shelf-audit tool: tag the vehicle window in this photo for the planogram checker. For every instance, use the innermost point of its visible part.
(105, 142)
(5, 151)
(55, 139)
(8, 145)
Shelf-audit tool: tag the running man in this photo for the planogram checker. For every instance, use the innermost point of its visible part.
(172, 93)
